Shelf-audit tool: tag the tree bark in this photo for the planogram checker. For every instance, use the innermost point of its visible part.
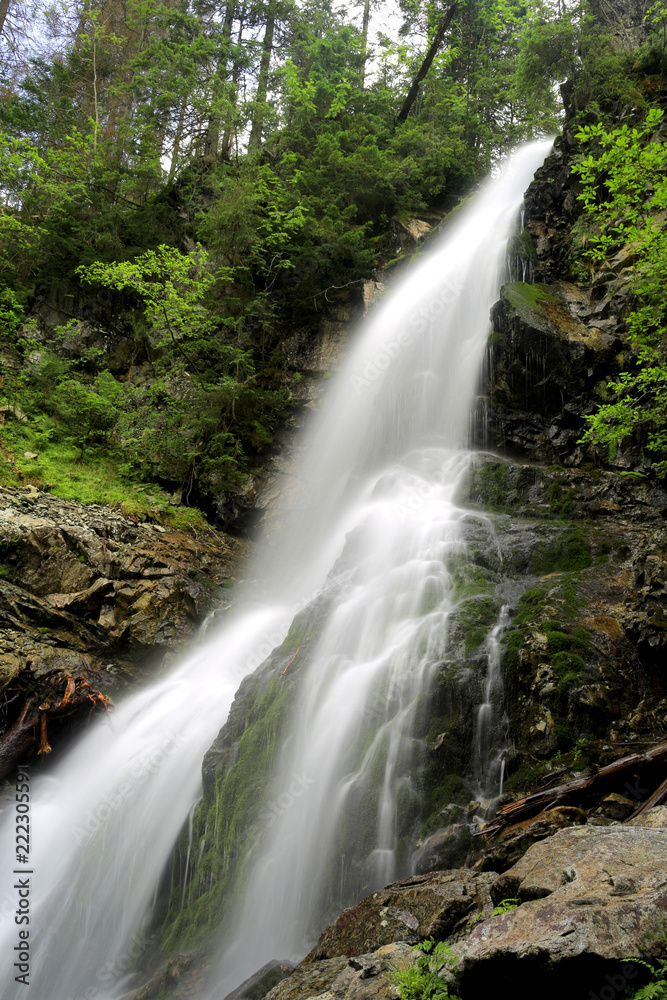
(226, 148)
(4, 8)
(426, 65)
(212, 138)
(364, 38)
(255, 140)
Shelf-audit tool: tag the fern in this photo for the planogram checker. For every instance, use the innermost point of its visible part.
(657, 988)
(424, 980)
(505, 906)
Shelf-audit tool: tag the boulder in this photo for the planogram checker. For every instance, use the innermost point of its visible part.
(435, 905)
(444, 849)
(590, 899)
(515, 840)
(257, 986)
(364, 977)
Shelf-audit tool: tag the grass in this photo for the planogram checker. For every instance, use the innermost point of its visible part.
(97, 478)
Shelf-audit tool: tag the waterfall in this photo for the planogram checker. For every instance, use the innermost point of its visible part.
(379, 533)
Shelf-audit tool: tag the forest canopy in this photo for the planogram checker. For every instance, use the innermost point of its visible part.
(188, 178)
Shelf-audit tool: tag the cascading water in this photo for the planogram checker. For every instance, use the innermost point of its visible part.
(382, 540)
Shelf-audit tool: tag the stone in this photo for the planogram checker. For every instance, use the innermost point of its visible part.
(446, 848)
(590, 898)
(362, 977)
(655, 818)
(265, 979)
(515, 840)
(82, 586)
(13, 411)
(615, 806)
(434, 905)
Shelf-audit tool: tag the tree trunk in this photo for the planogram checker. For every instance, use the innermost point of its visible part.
(177, 139)
(212, 138)
(4, 7)
(426, 65)
(574, 792)
(236, 73)
(255, 140)
(364, 38)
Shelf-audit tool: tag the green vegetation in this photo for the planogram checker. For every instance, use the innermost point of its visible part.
(566, 554)
(528, 775)
(235, 816)
(624, 192)
(656, 989)
(505, 906)
(183, 189)
(424, 980)
(476, 617)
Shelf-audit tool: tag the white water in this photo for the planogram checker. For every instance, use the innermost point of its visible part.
(489, 768)
(381, 473)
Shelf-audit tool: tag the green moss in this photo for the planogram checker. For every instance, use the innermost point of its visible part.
(526, 299)
(476, 617)
(563, 736)
(468, 579)
(514, 642)
(528, 775)
(568, 665)
(570, 595)
(440, 791)
(530, 605)
(491, 486)
(567, 554)
(227, 823)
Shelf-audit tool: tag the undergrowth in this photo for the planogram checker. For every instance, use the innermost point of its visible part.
(100, 479)
(424, 980)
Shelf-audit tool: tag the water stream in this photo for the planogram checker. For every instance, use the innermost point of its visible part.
(380, 533)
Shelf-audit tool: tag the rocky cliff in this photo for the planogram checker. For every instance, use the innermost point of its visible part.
(92, 602)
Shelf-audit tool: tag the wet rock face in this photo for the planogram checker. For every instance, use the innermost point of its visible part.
(582, 651)
(550, 352)
(558, 340)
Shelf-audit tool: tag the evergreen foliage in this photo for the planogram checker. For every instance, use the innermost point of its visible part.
(196, 178)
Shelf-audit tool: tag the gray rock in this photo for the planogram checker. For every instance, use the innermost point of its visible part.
(591, 897)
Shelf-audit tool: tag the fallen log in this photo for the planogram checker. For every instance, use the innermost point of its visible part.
(571, 792)
(656, 799)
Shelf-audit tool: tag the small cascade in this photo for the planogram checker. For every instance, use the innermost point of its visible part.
(491, 726)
